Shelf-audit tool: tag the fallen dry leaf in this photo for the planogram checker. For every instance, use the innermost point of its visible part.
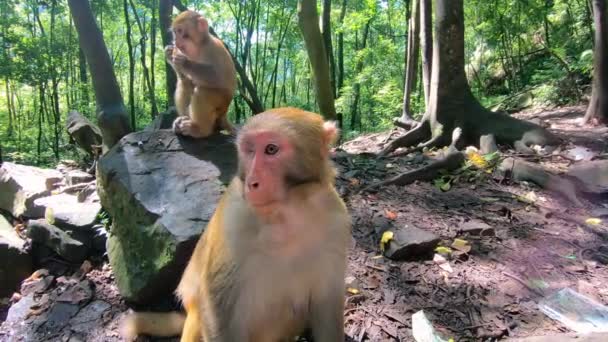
(391, 215)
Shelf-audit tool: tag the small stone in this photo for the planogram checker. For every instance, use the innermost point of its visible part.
(477, 228)
(59, 315)
(74, 177)
(59, 241)
(81, 292)
(15, 262)
(381, 224)
(18, 311)
(411, 243)
(88, 317)
(36, 285)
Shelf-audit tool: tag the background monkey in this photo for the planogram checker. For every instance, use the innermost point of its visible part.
(206, 77)
(272, 259)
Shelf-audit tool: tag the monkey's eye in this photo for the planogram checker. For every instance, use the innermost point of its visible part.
(271, 149)
(185, 36)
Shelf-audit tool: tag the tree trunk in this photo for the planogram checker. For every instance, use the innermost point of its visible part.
(9, 109)
(326, 24)
(112, 116)
(426, 45)
(411, 60)
(308, 22)
(341, 49)
(82, 71)
(142, 59)
(153, 24)
(131, 64)
(453, 108)
(598, 105)
(165, 7)
(354, 109)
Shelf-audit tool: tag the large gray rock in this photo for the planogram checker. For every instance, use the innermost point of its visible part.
(74, 177)
(593, 176)
(160, 190)
(67, 212)
(20, 185)
(83, 132)
(15, 262)
(59, 241)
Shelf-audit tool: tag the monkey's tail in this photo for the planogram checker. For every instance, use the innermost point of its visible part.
(162, 324)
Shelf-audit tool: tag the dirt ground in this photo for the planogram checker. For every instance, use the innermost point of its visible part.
(492, 292)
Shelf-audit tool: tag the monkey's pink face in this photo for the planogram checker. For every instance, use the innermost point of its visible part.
(265, 157)
(184, 41)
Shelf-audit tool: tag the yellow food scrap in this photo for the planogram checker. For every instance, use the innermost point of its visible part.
(352, 290)
(593, 221)
(478, 160)
(387, 236)
(443, 250)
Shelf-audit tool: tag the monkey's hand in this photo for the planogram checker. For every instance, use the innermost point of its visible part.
(169, 53)
(180, 61)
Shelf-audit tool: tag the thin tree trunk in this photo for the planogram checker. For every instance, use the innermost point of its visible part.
(165, 7)
(9, 107)
(54, 85)
(142, 58)
(130, 52)
(308, 20)
(282, 95)
(275, 72)
(40, 121)
(153, 29)
(598, 105)
(411, 61)
(341, 50)
(354, 118)
(326, 24)
(426, 45)
(82, 71)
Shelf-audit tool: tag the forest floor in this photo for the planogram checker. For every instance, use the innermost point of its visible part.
(492, 292)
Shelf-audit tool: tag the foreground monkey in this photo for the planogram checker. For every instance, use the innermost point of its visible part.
(272, 260)
(206, 77)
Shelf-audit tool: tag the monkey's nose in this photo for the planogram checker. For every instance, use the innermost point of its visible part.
(254, 185)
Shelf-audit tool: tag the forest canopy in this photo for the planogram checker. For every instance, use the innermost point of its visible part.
(517, 55)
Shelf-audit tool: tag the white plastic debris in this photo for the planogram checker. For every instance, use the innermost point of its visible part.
(575, 311)
(423, 330)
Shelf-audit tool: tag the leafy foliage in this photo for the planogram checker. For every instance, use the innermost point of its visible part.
(518, 53)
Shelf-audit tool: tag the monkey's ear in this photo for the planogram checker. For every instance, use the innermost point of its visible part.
(330, 132)
(203, 25)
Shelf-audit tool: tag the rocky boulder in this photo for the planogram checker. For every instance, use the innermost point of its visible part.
(20, 185)
(67, 212)
(83, 132)
(160, 190)
(56, 239)
(15, 263)
(592, 176)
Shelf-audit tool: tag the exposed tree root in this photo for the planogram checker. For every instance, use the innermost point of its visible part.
(433, 142)
(520, 170)
(405, 124)
(413, 137)
(451, 162)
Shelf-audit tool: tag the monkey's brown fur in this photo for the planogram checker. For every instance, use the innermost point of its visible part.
(206, 77)
(265, 273)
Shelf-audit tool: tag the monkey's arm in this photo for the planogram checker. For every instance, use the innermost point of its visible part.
(201, 74)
